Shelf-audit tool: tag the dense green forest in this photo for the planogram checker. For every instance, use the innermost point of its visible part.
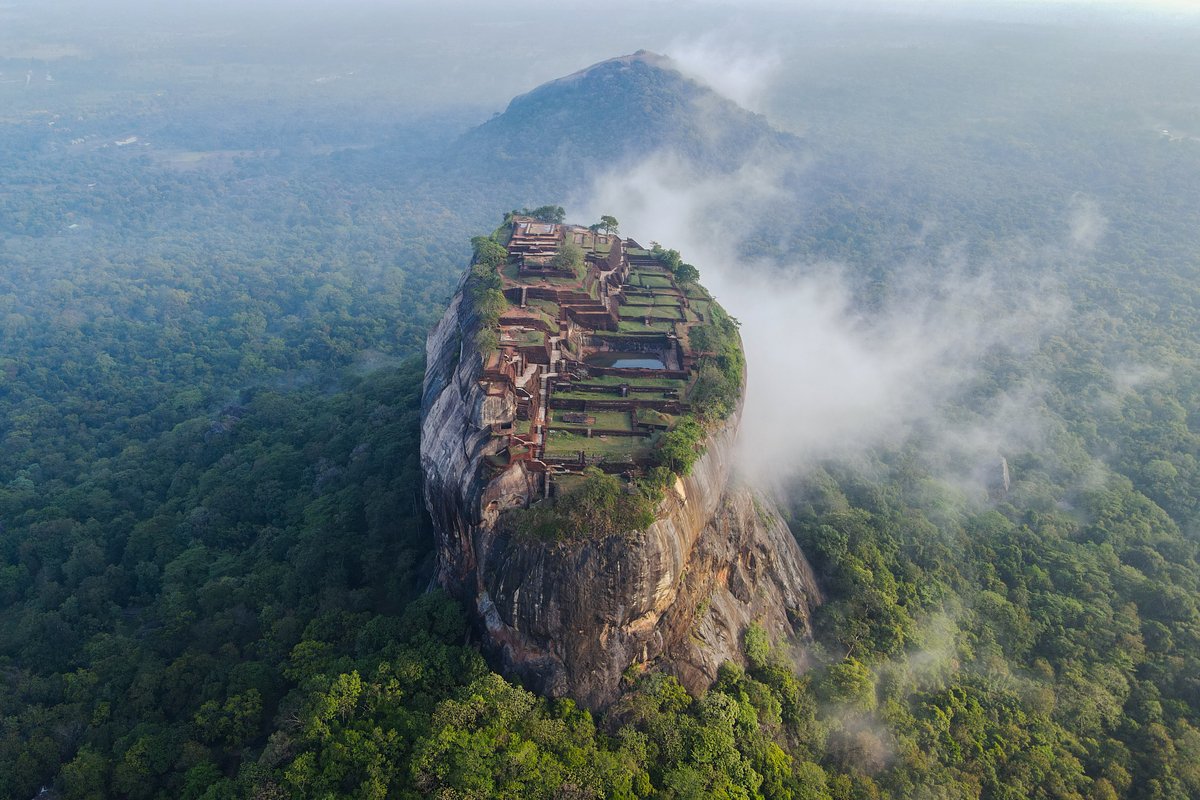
(215, 563)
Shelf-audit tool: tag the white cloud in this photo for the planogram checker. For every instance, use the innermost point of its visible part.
(1087, 224)
(825, 378)
(738, 73)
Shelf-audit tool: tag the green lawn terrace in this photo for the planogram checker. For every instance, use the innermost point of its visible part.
(596, 354)
(598, 387)
(569, 452)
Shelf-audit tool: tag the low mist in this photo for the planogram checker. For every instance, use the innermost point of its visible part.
(828, 379)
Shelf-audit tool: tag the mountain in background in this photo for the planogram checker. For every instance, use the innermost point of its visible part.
(550, 142)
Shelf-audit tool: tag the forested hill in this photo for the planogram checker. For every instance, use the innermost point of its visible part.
(559, 135)
(213, 554)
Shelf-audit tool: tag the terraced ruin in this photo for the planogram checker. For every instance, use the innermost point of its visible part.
(598, 353)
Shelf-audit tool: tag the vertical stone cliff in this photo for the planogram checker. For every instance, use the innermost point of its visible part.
(568, 618)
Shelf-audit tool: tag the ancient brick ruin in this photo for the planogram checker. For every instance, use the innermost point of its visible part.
(600, 364)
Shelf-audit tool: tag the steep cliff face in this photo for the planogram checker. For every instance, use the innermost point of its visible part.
(568, 618)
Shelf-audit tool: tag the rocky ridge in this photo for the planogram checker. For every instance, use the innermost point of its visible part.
(568, 618)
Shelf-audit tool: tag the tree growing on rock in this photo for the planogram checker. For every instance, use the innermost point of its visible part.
(569, 258)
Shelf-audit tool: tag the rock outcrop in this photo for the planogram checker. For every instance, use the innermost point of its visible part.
(569, 618)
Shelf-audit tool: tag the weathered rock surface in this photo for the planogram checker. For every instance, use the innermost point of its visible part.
(569, 618)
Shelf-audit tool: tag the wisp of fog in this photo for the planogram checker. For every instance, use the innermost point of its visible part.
(828, 379)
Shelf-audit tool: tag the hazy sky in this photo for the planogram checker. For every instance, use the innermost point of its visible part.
(481, 54)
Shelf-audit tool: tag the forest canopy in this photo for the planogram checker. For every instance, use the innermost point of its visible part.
(214, 553)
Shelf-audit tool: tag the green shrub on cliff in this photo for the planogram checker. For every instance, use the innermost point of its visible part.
(679, 448)
(718, 385)
(482, 290)
(489, 253)
(714, 394)
(598, 507)
(684, 273)
(543, 213)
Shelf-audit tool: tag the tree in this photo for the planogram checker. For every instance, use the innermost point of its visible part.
(668, 258)
(756, 645)
(608, 223)
(556, 214)
(686, 273)
(679, 448)
(569, 258)
(597, 508)
(595, 229)
(488, 252)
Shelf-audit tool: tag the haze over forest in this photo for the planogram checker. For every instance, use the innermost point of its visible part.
(956, 236)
